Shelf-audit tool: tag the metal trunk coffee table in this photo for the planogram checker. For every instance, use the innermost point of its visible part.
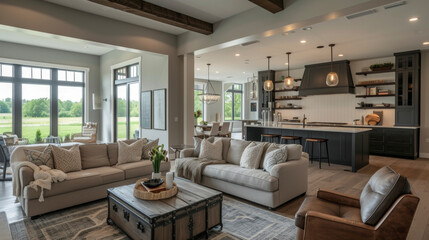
(192, 212)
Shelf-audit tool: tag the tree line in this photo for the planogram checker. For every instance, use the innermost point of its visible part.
(41, 108)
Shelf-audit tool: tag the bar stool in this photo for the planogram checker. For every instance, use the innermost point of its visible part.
(285, 139)
(320, 141)
(270, 137)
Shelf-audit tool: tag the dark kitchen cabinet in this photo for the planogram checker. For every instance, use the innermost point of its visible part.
(264, 96)
(407, 106)
(394, 142)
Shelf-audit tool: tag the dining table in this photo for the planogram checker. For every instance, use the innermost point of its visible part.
(207, 127)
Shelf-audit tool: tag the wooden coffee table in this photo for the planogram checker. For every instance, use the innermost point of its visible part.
(193, 211)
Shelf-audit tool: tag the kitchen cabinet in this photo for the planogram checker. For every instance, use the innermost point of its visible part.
(394, 142)
(407, 107)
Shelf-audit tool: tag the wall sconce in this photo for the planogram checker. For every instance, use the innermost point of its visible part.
(97, 102)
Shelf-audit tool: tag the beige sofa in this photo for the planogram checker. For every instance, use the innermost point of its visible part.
(286, 181)
(99, 172)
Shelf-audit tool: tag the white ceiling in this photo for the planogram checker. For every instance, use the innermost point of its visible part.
(207, 10)
(39, 39)
(377, 35)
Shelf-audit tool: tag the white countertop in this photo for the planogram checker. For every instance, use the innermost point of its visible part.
(358, 126)
(311, 128)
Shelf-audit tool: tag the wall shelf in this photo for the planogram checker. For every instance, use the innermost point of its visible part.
(287, 99)
(288, 90)
(368, 96)
(374, 84)
(375, 72)
(296, 80)
(375, 107)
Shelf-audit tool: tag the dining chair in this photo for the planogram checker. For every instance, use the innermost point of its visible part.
(198, 133)
(224, 132)
(5, 158)
(214, 131)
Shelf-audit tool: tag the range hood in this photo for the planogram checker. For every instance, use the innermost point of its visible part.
(314, 79)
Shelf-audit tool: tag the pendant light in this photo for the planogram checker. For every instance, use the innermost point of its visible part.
(332, 77)
(268, 84)
(209, 96)
(288, 81)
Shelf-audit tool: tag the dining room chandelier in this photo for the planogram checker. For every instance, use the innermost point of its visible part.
(209, 96)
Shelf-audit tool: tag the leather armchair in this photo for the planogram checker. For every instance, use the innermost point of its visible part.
(332, 215)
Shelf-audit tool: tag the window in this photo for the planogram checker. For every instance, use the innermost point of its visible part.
(48, 100)
(127, 102)
(233, 102)
(198, 104)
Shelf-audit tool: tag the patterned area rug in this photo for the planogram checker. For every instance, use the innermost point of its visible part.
(88, 221)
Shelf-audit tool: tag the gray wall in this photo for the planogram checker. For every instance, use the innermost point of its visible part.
(52, 56)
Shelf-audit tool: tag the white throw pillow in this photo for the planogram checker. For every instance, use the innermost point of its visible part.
(197, 144)
(211, 150)
(251, 156)
(274, 157)
(130, 153)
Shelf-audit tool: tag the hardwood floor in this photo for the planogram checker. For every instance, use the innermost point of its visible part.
(333, 177)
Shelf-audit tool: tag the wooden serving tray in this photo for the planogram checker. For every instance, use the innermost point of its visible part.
(154, 194)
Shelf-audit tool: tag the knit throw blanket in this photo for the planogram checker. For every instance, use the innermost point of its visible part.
(43, 177)
(192, 168)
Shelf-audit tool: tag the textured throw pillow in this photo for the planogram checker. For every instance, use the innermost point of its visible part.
(130, 153)
(147, 147)
(381, 191)
(67, 160)
(236, 149)
(40, 158)
(197, 145)
(211, 150)
(251, 156)
(274, 157)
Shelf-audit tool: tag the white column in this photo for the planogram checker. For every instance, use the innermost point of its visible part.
(188, 98)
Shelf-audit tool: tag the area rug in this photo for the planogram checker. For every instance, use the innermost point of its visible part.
(88, 221)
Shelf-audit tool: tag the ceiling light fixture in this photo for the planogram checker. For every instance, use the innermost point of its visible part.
(425, 43)
(198, 69)
(332, 77)
(209, 96)
(237, 54)
(286, 63)
(288, 81)
(413, 19)
(244, 72)
(340, 55)
(307, 28)
(217, 72)
(303, 41)
(287, 33)
(268, 84)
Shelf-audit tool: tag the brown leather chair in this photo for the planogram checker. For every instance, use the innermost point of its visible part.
(384, 210)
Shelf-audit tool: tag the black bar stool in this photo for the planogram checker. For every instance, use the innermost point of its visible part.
(285, 139)
(312, 141)
(270, 137)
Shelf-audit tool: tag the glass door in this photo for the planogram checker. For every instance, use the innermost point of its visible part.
(121, 112)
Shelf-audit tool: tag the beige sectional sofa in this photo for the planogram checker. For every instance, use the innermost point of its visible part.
(286, 181)
(99, 172)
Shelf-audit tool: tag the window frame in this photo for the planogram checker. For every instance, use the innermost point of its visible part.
(234, 91)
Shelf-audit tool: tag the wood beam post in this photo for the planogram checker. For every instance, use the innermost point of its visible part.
(274, 6)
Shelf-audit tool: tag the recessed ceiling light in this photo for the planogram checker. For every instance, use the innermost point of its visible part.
(244, 72)
(237, 54)
(287, 33)
(340, 55)
(425, 43)
(303, 41)
(217, 71)
(413, 19)
(286, 63)
(198, 69)
(307, 28)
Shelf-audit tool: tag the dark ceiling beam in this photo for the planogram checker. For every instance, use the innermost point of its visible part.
(160, 14)
(274, 6)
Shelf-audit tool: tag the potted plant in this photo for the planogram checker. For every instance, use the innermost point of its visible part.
(39, 136)
(381, 67)
(157, 154)
(67, 138)
(197, 114)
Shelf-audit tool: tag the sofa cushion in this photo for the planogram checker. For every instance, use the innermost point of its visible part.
(74, 181)
(107, 174)
(130, 152)
(40, 157)
(273, 158)
(141, 168)
(67, 160)
(236, 149)
(381, 191)
(94, 155)
(112, 152)
(211, 150)
(252, 156)
(252, 178)
(147, 147)
(264, 151)
(197, 145)
(294, 151)
(225, 146)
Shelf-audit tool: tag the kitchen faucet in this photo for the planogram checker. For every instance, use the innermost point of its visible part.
(303, 121)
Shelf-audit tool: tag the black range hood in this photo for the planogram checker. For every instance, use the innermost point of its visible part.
(314, 79)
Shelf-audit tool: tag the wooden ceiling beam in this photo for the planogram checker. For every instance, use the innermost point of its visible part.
(274, 6)
(160, 14)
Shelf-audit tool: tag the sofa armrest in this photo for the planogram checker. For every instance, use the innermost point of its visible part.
(26, 175)
(323, 226)
(187, 152)
(338, 198)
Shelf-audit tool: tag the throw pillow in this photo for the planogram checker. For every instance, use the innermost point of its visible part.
(94, 155)
(236, 149)
(147, 147)
(211, 150)
(130, 153)
(40, 158)
(252, 155)
(294, 151)
(381, 191)
(274, 157)
(67, 160)
(197, 145)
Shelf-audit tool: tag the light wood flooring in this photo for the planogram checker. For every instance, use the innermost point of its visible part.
(333, 177)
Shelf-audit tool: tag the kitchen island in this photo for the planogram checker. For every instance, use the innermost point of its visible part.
(347, 146)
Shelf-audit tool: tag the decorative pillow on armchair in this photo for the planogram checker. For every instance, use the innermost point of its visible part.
(130, 152)
(211, 150)
(40, 158)
(252, 155)
(67, 160)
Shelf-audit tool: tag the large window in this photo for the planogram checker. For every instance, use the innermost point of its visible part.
(46, 100)
(127, 101)
(198, 104)
(233, 98)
